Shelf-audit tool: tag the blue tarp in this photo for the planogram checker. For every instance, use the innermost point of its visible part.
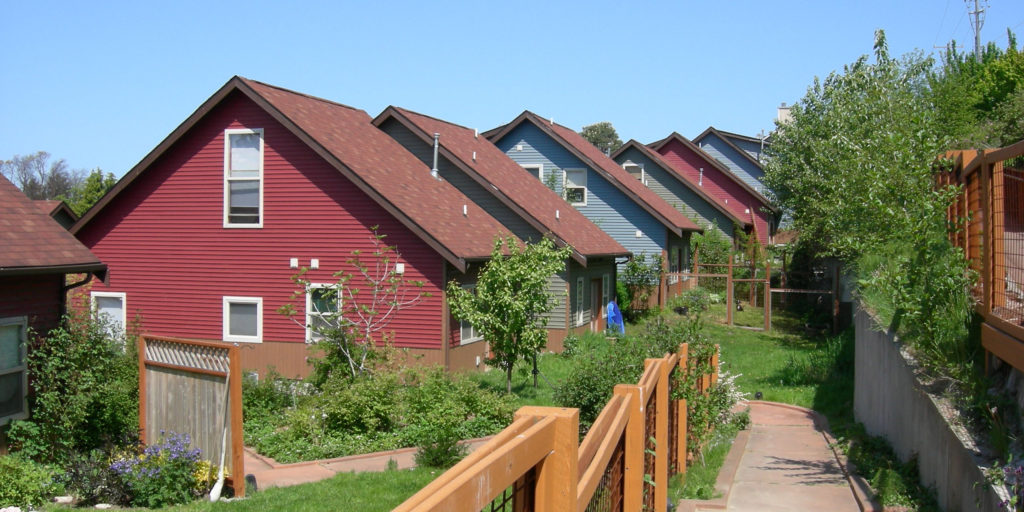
(615, 322)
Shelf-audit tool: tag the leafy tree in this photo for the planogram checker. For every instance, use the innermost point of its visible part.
(351, 315)
(510, 298)
(979, 103)
(85, 194)
(39, 178)
(711, 246)
(640, 279)
(602, 135)
(854, 165)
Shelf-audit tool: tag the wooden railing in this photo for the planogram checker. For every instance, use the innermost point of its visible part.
(989, 216)
(536, 464)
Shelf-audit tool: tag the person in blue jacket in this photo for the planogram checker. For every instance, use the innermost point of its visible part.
(615, 321)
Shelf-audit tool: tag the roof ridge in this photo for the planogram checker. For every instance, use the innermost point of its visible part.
(413, 112)
(304, 95)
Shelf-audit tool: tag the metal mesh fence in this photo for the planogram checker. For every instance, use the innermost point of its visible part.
(610, 491)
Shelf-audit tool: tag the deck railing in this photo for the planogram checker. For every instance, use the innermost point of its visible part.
(988, 215)
(537, 464)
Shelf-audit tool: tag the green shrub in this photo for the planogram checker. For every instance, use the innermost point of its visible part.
(440, 448)
(24, 483)
(382, 411)
(695, 300)
(85, 391)
(268, 396)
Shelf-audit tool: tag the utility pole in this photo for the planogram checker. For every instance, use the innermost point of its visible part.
(979, 20)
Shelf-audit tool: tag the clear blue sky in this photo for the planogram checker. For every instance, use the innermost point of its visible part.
(101, 83)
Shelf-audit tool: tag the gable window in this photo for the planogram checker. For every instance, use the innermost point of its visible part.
(636, 171)
(467, 333)
(579, 301)
(322, 305)
(243, 178)
(13, 372)
(535, 170)
(576, 186)
(243, 319)
(110, 308)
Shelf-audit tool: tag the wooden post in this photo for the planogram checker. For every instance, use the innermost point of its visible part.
(557, 474)
(986, 234)
(237, 448)
(633, 485)
(728, 293)
(767, 294)
(142, 389)
(661, 440)
(696, 266)
(835, 299)
(714, 365)
(681, 433)
(998, 222)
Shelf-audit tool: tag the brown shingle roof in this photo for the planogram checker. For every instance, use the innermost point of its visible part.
(33, 242)
(346, 138)
(504, 178)
(616, 175)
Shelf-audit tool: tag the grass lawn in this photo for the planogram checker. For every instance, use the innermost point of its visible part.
(369, 492)
(553, 369)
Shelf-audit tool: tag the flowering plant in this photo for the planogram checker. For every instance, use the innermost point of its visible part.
(165, 473)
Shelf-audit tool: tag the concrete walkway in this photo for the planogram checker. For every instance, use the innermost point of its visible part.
(784, 462)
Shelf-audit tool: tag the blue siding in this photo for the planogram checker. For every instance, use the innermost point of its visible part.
(677, 194)
(746, 170)
(607, 206)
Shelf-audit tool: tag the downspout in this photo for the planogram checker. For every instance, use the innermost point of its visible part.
(433, 170)
(67, 288)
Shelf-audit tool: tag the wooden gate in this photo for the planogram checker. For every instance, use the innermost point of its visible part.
(182, 390)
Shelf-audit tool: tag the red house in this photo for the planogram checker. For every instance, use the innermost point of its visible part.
(37, 255)
(203, 235)
(718, 182)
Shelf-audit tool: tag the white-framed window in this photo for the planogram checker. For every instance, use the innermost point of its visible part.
(243, 178)
(636, 171)
(243, 319)
(579, 301)
(575, 186)
(323, 302)
(112, 308)
(13, 370)
(606, 294)
(467, 333)
(536, 170)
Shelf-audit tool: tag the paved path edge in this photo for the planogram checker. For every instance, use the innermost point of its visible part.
(727, 473)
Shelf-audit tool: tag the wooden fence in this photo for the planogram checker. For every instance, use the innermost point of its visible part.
(988, 215)
(536, 464)
(182, 390)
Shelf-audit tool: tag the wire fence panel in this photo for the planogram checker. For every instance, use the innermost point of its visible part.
(609, 494)
(517, 498)
(1008, 239)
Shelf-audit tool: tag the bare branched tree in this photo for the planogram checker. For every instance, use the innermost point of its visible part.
(39, 178)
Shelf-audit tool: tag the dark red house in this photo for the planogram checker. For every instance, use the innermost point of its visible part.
(717, 181)
(36, 258)
(203, 235)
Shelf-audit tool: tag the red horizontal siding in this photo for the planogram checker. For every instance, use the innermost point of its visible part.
(166, 247)
(38, 298)
(716, 184)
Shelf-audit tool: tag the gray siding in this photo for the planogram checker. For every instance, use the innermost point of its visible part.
(679, 195)
(746, 170)
(462, 181)
(607, 207)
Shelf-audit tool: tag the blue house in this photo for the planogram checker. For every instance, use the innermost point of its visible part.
(743, 155)
(594, 184)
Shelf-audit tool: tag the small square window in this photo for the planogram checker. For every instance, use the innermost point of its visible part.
(576, 186)
(110, 306)
(243, 319)
(467, 333)
(536, 170)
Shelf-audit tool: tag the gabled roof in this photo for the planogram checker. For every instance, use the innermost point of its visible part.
(53, 206)
(33, 242)
(725, 136)
(347, 140)
(672, 218)
(682, 178)
(509, 183)
(713, 162)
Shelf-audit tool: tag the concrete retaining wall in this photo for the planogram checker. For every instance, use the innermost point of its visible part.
(889, 401)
